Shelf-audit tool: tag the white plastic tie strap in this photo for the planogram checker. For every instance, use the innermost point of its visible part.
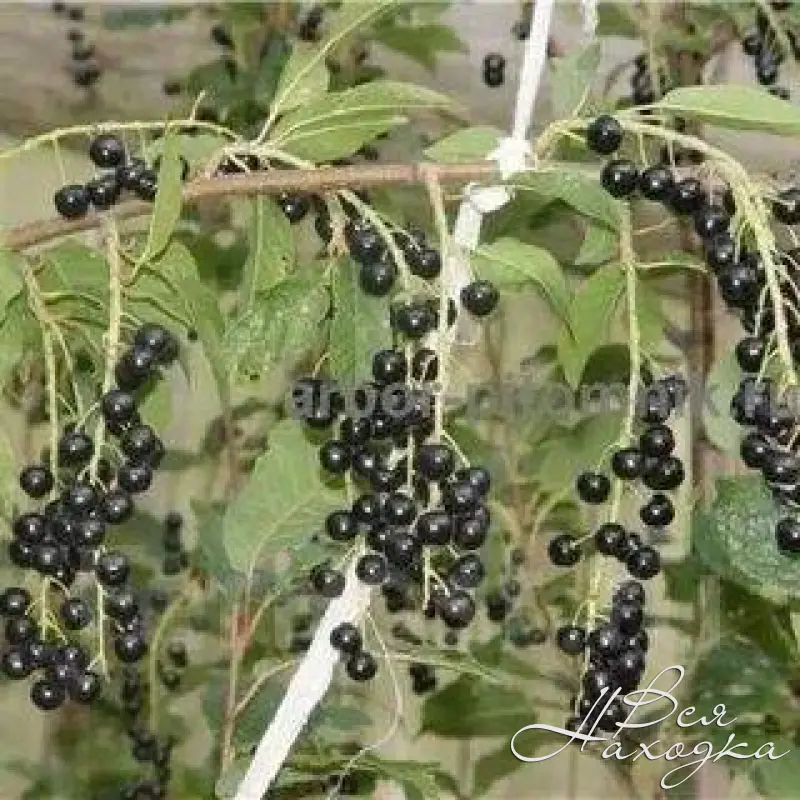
(305, 691)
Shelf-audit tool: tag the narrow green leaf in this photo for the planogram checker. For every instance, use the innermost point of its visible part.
(210, 554)
(734, 106)
(421, 43)
(156, 405)
(10, 495)
(339, 123)
(271, 253)
(168, 202)
(282, 326)
(723, 380)
(600, 244)
(196, 149)
(484, 710)
(360, 326)
(297, 86)
(304, 63)
(510, 263)
(283, 499)
(580, 192)
(12, 268)
(590, 315)
(465, 146)
(572, 79)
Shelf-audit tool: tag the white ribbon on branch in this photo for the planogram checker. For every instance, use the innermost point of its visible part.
(315, 673)
(511, 155)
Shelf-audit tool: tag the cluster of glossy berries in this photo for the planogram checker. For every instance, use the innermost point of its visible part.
(653, 463)
(614, 654)
(494, 70)
(122, 174)
(643, 90)
(765, 47)
(418, 519)
(741, 278)
(149, 750)
(85, 69)
(67, 536)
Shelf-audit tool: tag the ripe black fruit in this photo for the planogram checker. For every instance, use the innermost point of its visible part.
(36, 480)
(377, 277)
(372, 569)
(627, 463)
(711, 221)
(341, 526)
(389, 366)
(116, 506)
(687, 196)
(335, 457)
(644, 563)
(112, 568)
(14, 601)
(787, 535)
(480, 298)
(593, 487)
(786, 207)
(457, 609)
(72, 201)
(130, 647)
(75, 613)
(75, 448)
(413, 320)
(103, 191)
(754, 450)
(658, 511)
(135, 478)
(563, 550)
(664, 474)
(362, 666)
(619, 177)
(608, 538)
(750, 353)
(571, 639)
(47, 695)
(346, 638)
(468, 572)
(107, 151)
(435, 461)
(657, 441)
(656, 183)
(604, 135)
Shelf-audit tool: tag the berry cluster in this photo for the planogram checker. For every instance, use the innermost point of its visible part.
(654, 464)
(123, 174)
(614, 657)
(67, 537)
(494, 70)
(643, 90)
(418, 519)
(763, 45)
(85, 68)
(770, 444)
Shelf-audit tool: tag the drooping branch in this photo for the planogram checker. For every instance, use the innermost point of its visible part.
(255, 183)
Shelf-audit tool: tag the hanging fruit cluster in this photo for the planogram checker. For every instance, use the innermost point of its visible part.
(765, 45)
(419, 518)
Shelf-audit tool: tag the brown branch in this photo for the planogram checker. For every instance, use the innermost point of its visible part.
(271, 182)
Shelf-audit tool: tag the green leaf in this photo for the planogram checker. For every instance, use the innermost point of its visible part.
(210, 553)
(484, 710)
(556, 461)
(10, 494)
(421, 43)
(307, 85)
(169, 197)
(339, 123)
(360, 326)
(465, 146)
(600, 245)
(723, 380)
(777, 779)
(734, 106)
(281, 327)
(302, 70)
(12, 268)
(572, 79)
(156, 405)
(735, 538)
(649, 316)
(510, 263)
(590, 314)
(583, 193)
(197, 149)
(271, 253)
(255, 717)
(283, 499)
